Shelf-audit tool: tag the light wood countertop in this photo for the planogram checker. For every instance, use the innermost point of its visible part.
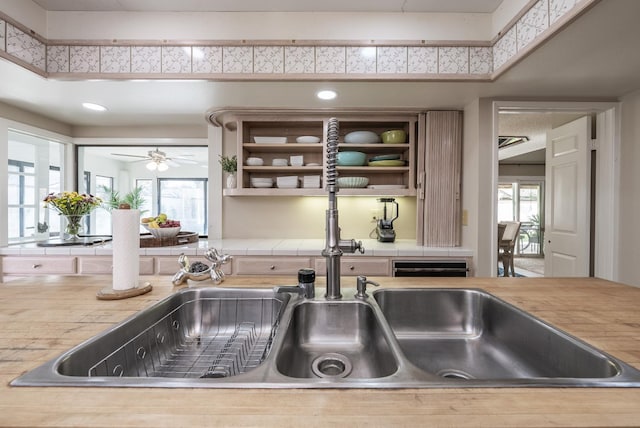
(45, 316)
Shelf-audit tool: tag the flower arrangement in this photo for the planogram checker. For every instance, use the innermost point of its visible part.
(72, 203)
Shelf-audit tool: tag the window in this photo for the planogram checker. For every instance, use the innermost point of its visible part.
(102, 216)
(34, 169)
(21, 199)
(146, 187)
(126, 165)
(184, 200)
(523, 202)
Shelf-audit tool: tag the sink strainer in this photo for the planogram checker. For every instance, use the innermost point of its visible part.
(331, 365)
(454, 374)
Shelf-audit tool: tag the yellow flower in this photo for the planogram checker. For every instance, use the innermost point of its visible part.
(72, 203)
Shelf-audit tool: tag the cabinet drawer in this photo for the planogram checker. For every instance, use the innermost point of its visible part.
(270, 265)
(102, 265)
(44, 265)
(352, 266)
(169, 265)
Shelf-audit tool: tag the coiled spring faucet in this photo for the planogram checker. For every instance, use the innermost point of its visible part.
(334, 246)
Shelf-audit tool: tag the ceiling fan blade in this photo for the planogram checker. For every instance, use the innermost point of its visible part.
(171, 163)
(184, 161)
(130, 156)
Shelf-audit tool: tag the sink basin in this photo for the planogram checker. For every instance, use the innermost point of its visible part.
(397, 338)
(470, 334)
(334, 340)
(196, 333)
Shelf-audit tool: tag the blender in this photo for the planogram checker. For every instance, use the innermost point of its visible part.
(384, 229)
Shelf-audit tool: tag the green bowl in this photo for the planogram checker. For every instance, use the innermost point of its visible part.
(351, 158)
(394, 136)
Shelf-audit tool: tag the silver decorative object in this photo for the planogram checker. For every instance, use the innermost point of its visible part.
(213, 272)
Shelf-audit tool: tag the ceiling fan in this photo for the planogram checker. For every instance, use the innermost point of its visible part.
(158, 160)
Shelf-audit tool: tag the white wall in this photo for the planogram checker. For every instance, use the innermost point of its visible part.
(629, 230)
(478, 170)
(268, 25)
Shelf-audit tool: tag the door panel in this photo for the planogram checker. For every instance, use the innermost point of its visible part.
(567, 199)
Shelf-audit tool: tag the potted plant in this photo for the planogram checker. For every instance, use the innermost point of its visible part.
(134, 199)
(230, 166)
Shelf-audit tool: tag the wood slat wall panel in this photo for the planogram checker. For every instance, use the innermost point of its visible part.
(443, 163)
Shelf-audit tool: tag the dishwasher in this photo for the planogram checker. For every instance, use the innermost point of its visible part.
(435, 268)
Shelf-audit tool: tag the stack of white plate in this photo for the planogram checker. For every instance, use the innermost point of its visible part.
(311, 181)
(279, 162)
(261, 182)
(289, 182)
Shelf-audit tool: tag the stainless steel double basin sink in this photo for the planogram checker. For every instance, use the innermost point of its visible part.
(396, 338)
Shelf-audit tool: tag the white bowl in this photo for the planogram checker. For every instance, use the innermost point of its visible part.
(163, 232)
(296, 160)
(255, 161)
(280, 162)
(362, 137)
(307, 139)
(288, 182)
(352, 182)
(263, 183)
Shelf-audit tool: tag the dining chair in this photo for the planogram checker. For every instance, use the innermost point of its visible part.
(507, 245)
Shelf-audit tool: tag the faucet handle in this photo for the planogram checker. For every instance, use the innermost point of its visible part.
(361, 287)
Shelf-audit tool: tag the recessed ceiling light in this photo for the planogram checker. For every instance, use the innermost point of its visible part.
(93, 106)
(326, 95)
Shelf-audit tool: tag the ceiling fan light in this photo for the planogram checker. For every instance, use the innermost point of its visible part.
(152, 166)
(162, 167)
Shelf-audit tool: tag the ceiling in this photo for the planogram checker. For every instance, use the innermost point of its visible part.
(434, 6)
(594, 58)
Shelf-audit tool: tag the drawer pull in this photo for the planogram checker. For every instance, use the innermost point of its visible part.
(36, 266)
(272, 267)
(352, 267)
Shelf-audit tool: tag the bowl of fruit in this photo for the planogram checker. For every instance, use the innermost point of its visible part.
(160, 226)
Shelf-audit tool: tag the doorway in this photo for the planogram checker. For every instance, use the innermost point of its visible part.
(519, 115)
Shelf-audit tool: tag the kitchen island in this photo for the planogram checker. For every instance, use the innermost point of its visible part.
(45, 316)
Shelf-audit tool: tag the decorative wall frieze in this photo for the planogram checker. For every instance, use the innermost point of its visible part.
(344, 60)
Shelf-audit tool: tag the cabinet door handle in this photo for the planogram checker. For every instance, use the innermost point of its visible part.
(36, 266)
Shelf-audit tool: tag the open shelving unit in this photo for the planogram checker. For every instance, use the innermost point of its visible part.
(291, 127)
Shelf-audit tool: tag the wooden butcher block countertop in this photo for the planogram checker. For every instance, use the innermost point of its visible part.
(42, 317)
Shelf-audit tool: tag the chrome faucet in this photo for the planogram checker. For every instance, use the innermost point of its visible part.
(334, 245)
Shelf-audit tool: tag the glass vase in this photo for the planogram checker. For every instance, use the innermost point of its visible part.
(74, 225)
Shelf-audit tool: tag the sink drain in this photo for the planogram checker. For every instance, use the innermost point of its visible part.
(454, 374)
(331, 365)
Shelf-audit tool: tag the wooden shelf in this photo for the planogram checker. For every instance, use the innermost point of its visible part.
(274, 191)
(284, 169)
(282, 148)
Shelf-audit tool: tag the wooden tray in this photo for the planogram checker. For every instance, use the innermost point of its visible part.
(147, 240)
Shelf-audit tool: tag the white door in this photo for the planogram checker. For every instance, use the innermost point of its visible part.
(568, 199)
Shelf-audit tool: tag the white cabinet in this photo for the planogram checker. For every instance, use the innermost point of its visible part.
(41, 265)
(246, 265)
(103, 265)
(354, 266)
